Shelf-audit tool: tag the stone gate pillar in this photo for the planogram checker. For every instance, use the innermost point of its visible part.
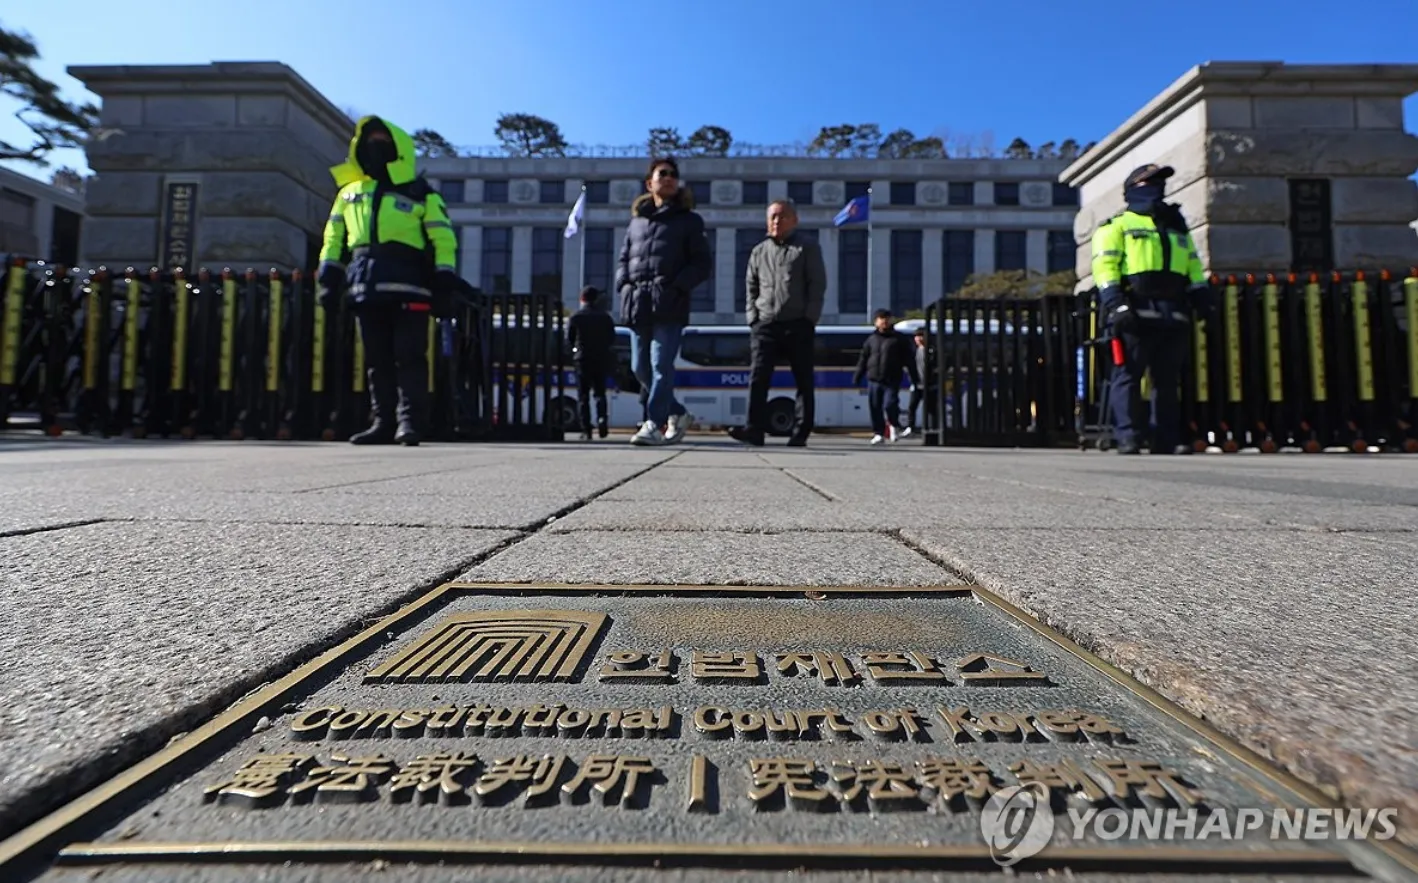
(1279, 167)
(222, 164)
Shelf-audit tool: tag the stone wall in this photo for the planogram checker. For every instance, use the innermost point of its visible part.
(255, 138)
(1238, 133)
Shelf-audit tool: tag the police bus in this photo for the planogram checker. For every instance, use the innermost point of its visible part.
(714, 366)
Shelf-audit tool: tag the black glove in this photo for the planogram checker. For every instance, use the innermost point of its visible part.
(445, 288)
(330, 286)
(1120, 320)
(1203, 302)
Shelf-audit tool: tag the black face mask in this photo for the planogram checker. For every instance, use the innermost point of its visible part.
(1141, 194)
(374, 157)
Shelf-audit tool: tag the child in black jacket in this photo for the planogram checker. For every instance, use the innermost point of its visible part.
(885, 354)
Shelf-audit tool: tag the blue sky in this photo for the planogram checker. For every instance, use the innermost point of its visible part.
(770, 72)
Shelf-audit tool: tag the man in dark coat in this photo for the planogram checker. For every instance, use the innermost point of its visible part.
(885, 354)
(591, 333)
(664, 256)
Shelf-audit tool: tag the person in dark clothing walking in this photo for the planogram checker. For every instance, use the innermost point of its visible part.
(918, 389)
(786, 282)
(885, 353)
(591, 334)
(664, 256)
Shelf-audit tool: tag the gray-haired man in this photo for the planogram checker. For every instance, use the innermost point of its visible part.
(786, 285)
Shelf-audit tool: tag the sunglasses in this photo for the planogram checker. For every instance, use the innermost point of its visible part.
(666, 173)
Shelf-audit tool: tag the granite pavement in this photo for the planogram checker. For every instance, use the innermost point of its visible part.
(149, 584)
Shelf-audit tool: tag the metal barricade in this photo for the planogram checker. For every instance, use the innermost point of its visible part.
(222, 354)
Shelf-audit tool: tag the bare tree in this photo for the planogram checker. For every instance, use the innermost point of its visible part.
(964, 145)
(987, 144)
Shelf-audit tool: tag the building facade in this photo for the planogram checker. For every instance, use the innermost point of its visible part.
(39, 220)
(934, 223)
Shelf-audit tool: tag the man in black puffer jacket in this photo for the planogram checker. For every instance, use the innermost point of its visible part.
(664, 256)
(885, 354)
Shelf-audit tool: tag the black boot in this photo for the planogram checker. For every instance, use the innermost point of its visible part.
(747, 435)
(603, 427)
(407, 435)
(377, 434)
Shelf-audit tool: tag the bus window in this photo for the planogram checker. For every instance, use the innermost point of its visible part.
(623, 377)
(697, 349)
(838, 349)
(732, 350)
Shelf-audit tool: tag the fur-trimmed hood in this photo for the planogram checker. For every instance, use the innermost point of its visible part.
(683, 200)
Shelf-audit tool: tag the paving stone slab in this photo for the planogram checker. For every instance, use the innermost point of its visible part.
(1302, 650)
(690, 512)
(711, 558)
(952, 499)
(483, 510)
(126, 634)
(695, 486)
(540, 478)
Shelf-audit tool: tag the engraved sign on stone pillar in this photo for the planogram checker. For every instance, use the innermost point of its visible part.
(177, 241)
(933, 194)
(1311, 226)
(525, 191)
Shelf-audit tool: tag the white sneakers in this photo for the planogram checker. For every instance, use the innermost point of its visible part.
(893, 435)
(648, 434)
(676, 426)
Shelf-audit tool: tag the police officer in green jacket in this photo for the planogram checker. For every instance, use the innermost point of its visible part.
(1149, 277)
(401, 248)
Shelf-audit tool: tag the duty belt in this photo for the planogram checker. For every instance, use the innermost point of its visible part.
(1174, 315)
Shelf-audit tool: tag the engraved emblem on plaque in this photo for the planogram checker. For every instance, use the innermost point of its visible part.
(504, 645)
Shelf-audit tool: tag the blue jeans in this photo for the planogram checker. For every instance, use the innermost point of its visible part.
(884, 405)
(652, 358)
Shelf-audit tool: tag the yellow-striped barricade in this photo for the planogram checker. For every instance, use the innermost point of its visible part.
(246, 354)
(1309, 362)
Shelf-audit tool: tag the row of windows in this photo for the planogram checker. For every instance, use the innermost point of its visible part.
(907, 283)
(756, 192)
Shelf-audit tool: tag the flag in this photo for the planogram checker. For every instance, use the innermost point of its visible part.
(578, 212)
(854, 212)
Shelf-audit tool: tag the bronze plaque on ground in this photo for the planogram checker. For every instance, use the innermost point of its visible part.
(717, 727)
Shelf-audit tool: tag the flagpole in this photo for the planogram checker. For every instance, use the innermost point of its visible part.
(870, 262)
(582, 231)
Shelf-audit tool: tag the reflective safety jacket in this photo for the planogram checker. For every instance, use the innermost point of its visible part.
(397, 234)
(1153, 270)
